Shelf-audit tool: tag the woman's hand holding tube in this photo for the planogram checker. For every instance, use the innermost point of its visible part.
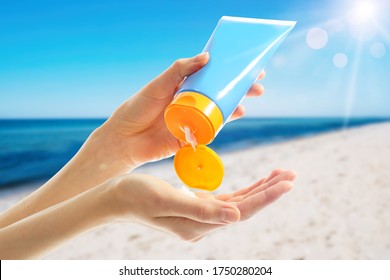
(138, 128)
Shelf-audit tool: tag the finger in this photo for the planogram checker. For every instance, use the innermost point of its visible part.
(252, 204)
(273, 174)
(238, 113)
(287, 175)
(255, 90)
(203, 210)
(165, 84)
(198, 238)
(244, 191)
(239, 193)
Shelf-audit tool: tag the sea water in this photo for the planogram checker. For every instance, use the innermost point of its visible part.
(32, 150)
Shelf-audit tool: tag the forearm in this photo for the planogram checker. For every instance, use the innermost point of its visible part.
(94, 164)
(37, 234)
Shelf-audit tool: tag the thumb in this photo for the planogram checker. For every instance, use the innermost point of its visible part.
(207, 210)
(167, 82)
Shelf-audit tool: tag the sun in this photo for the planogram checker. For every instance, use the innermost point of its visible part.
(364, 11)
(362, 20)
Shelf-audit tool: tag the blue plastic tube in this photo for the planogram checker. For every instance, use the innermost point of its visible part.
(239, 49)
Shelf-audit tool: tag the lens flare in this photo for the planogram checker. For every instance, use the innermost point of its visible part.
(340, 60)
(377, 50)
(317, 38)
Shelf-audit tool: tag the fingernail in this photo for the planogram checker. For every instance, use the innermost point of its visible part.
(201, 56)
(229, 215)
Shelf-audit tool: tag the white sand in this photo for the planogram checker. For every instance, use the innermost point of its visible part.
(339, 208)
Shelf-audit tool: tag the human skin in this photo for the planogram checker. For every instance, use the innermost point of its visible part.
(133, 135)
(141, 199)
(96, 178)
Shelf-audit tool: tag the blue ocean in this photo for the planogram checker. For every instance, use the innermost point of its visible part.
(32, 150)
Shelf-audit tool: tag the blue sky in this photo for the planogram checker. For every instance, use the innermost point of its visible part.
(83, 58)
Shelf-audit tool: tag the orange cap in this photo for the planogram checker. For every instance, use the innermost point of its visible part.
(197, 112)
(200, 168)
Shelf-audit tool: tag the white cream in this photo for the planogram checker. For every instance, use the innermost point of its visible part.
(186, 191)
(190, 137)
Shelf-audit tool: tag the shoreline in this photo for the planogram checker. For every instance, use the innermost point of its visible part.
(232, 148)
(24, 159)
(338, 208)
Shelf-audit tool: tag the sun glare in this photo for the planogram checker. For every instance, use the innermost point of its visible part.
(363, 21)
(364, 12)
(362, 18)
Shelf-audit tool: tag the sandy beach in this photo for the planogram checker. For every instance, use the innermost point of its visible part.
(338, 209)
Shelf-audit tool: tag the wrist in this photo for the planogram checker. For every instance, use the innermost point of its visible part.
(108, 201)
(103, 156)
(108, 151)
(119, 196)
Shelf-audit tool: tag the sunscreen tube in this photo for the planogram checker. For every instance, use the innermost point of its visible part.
(239, 49)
